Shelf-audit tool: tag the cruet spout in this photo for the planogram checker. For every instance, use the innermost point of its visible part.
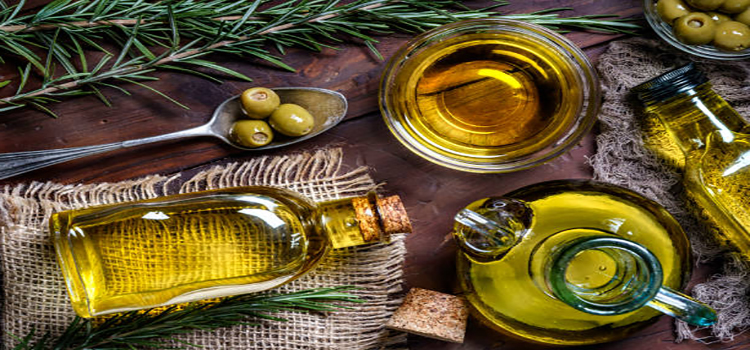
(487, 229)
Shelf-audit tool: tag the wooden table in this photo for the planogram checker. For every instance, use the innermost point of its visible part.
(432, 193)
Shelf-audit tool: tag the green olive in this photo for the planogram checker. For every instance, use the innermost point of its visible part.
(705, 5)
(732, 36)
(718, 17)
(251, 133)
(734, 6)
(292, 120)
(670, 10)
(695, 28)
(259, 102)
(743, 17)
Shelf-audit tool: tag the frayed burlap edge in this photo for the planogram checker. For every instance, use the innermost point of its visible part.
(650, 165)
(33, 289)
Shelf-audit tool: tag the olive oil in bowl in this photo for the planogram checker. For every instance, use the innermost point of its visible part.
(489, 95)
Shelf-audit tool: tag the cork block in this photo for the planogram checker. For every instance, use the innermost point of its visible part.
(432, 314)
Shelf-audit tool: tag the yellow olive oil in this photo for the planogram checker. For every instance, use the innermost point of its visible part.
(591, 269)
(509, 296)
(203, 245)
(719, 182)
(707, 139)
(717, 168)
(487, 95)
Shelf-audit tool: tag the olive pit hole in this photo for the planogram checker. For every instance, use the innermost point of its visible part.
(695, 23)
(260, 137)
(259, 96)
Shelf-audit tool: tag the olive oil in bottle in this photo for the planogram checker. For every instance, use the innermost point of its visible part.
(507, 288)
(207, 244)
(487, 95)
(714, 142)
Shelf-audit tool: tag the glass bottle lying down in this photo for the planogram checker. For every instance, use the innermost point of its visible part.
(207, 244)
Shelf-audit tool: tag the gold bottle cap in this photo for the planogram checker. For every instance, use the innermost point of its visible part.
(393, 215)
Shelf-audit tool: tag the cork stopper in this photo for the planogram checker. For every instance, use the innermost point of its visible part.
(432, 314)
(393, 215)
(367, 218)
(380, 217)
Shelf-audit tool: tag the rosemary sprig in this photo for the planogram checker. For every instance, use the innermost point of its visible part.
(177, 34)
(158, 329)
(597, 23)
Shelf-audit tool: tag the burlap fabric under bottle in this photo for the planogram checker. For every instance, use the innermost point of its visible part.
(34, 292)
(634, 151)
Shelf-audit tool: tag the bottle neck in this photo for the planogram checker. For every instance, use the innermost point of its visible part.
(362, 220)
(694, 114)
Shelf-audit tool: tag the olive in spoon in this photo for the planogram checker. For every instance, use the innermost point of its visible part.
(326, 106)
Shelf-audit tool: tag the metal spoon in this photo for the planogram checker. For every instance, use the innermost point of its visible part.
(326, 106)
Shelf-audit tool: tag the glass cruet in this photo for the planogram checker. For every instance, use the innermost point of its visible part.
(573, 263)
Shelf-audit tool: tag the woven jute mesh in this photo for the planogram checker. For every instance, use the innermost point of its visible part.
(34, 295)
(634, 151)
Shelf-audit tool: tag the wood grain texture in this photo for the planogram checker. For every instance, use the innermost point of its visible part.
(431, 193)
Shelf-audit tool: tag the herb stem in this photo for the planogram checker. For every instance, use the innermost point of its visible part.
(156, 328)
(182, 55)
(174, 34)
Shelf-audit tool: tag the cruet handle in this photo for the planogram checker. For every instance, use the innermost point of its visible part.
(683, 307)
(637, 283)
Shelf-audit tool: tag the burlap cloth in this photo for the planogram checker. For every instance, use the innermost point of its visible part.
(34, 292)
(633, 151)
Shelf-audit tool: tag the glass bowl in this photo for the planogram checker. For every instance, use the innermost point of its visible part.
(489, 95)
(664, 30)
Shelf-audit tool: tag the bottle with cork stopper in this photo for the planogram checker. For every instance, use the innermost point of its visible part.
(208, 244)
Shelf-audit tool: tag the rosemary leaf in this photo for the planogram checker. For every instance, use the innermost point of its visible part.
(168, 34)
(217, 67)
(157, 328)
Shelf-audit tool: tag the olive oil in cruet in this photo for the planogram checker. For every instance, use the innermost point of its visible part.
(573, 263)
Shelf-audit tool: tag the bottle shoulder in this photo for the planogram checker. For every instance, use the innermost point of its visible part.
(202, 201)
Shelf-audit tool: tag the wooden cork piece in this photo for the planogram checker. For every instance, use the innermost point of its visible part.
(369, 224)
(393, 215)
(432, 314)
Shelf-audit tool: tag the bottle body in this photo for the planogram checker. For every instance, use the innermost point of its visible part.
(713, 140)
(194, 246)
(718, 179)
(508, 294)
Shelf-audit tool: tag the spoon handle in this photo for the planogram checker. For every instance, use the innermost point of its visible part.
(12, 164)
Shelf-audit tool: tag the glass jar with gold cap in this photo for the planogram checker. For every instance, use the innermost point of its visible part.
(714, 141)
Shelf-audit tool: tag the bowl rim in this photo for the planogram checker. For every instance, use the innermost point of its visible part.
(580, 126)
(664, 31)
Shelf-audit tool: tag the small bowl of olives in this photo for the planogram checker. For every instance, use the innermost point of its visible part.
(263, 118)
(715, 29)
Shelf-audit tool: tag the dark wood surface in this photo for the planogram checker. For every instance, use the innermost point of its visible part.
(432, 193)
